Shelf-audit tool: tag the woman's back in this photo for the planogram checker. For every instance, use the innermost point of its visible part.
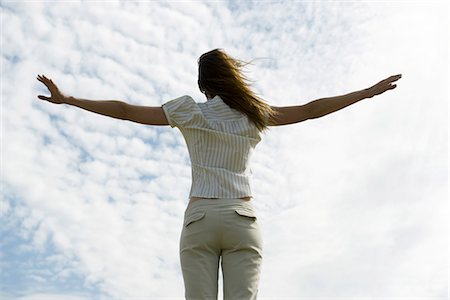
(220, 141)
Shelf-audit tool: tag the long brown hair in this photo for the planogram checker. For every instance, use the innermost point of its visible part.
(221, 74)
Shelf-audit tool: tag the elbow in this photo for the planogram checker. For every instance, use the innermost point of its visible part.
(313, 111)
(123, 111)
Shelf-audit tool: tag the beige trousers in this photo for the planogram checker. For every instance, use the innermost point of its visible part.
(227, 229)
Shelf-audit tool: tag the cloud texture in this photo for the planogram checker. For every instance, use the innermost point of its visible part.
(353, 204)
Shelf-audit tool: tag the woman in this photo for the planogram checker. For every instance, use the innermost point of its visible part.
(220, 220)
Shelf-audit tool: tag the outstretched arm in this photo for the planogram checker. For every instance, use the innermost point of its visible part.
(150, 115)
(321, 107)
(324, 106)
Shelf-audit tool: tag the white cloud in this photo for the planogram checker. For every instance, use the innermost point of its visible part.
(351, 205)
(40, 296)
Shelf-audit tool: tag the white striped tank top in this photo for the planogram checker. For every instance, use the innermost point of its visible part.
(220, 142)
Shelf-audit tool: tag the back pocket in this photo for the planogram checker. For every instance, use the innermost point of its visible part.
(245, 212)
(193, 217)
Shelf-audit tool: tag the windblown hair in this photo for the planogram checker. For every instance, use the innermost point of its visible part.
(221, 74)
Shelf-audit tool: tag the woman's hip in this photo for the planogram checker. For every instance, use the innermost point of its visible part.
(226, 222)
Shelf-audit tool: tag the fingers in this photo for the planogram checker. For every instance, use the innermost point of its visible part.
(45, 80)
(44, 98)
(391, 79)
(42, 78)
(397, 77)
(394, 77)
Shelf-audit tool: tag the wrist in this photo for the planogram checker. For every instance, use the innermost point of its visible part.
(368, 93)
(68, 100)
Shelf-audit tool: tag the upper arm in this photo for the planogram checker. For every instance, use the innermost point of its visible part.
(149, 115)
(182, 111)
(292, 114)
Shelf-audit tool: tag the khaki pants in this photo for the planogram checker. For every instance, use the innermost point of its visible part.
(226, 228)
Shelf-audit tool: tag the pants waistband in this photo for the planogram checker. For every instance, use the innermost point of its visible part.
(220, 202)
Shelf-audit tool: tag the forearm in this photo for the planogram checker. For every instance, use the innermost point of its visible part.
(110, 108)
(324, 106)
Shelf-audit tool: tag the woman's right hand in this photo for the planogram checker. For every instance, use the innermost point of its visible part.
(56, 96)
(383, 85)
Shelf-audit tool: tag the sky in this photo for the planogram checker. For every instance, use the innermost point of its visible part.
(351, 205)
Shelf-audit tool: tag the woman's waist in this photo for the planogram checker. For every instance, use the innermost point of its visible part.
(218, 204)
(195, 198)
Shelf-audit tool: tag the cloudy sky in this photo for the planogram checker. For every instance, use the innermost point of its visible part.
(351, 205)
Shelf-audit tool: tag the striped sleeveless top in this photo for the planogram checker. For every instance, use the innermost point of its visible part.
(220, 142)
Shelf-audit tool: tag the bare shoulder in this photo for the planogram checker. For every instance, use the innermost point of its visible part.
(148, 115)
(291, 114)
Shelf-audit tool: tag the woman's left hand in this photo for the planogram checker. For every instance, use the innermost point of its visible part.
(56, 96)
